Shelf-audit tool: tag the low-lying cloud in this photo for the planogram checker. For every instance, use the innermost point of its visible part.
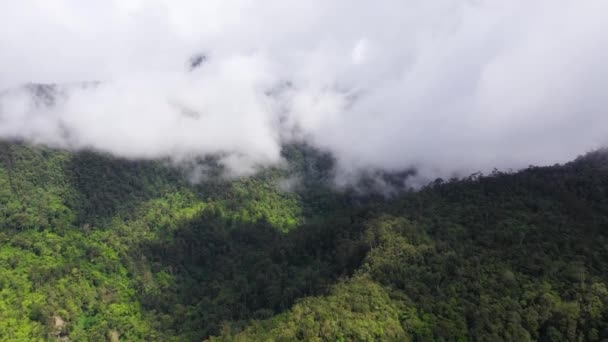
(445, 86)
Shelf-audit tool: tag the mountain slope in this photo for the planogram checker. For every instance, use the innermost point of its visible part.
(516, 257)
(94, 246)
(97, 248)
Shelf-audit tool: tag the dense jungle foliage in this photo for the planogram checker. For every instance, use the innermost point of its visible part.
(94, 248)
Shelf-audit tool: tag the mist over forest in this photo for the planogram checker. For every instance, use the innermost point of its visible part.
(230, 170)
(449, 88)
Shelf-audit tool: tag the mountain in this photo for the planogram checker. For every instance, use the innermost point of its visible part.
(96, 248)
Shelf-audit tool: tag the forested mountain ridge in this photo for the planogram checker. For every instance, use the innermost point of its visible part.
(96, 248)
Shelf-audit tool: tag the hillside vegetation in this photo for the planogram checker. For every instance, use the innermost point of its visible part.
(94, 248)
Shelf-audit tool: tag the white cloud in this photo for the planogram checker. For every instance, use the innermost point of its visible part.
(446, 86)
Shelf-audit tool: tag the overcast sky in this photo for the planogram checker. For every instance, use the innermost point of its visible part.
(446, 86)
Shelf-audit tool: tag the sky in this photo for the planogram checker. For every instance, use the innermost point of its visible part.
(448, 86)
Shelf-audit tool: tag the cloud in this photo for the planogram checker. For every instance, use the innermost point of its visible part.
(446, 86)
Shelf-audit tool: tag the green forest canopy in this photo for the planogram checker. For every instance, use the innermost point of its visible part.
(95, 248)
